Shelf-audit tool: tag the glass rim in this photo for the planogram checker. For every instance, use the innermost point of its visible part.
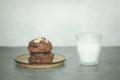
(85, 34)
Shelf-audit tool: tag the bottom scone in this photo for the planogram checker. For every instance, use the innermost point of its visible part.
(40, 58)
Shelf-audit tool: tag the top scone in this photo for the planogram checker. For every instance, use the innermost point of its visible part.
(40, 44)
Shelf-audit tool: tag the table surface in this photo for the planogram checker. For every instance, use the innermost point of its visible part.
(107, 69)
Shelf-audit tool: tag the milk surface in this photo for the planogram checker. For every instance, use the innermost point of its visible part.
(88, 50)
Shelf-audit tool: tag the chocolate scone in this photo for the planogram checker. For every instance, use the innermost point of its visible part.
(41, 58)
(34, 53)
(40, 45)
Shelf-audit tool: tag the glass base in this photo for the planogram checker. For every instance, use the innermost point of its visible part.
(88, 63)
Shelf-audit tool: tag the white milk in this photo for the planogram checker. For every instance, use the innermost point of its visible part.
(88, 51)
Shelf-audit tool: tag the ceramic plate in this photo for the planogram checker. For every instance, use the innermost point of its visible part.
(22, 61)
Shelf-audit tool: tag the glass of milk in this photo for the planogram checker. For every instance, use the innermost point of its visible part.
(88, 47)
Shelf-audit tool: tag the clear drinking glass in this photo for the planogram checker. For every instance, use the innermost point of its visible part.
(88, 47)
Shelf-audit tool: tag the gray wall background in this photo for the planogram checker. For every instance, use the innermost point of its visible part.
(58, 20)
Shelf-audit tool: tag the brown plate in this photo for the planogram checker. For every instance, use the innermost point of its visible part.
(22, 61)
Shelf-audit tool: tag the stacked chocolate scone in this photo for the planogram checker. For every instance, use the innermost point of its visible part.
(40, 51)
